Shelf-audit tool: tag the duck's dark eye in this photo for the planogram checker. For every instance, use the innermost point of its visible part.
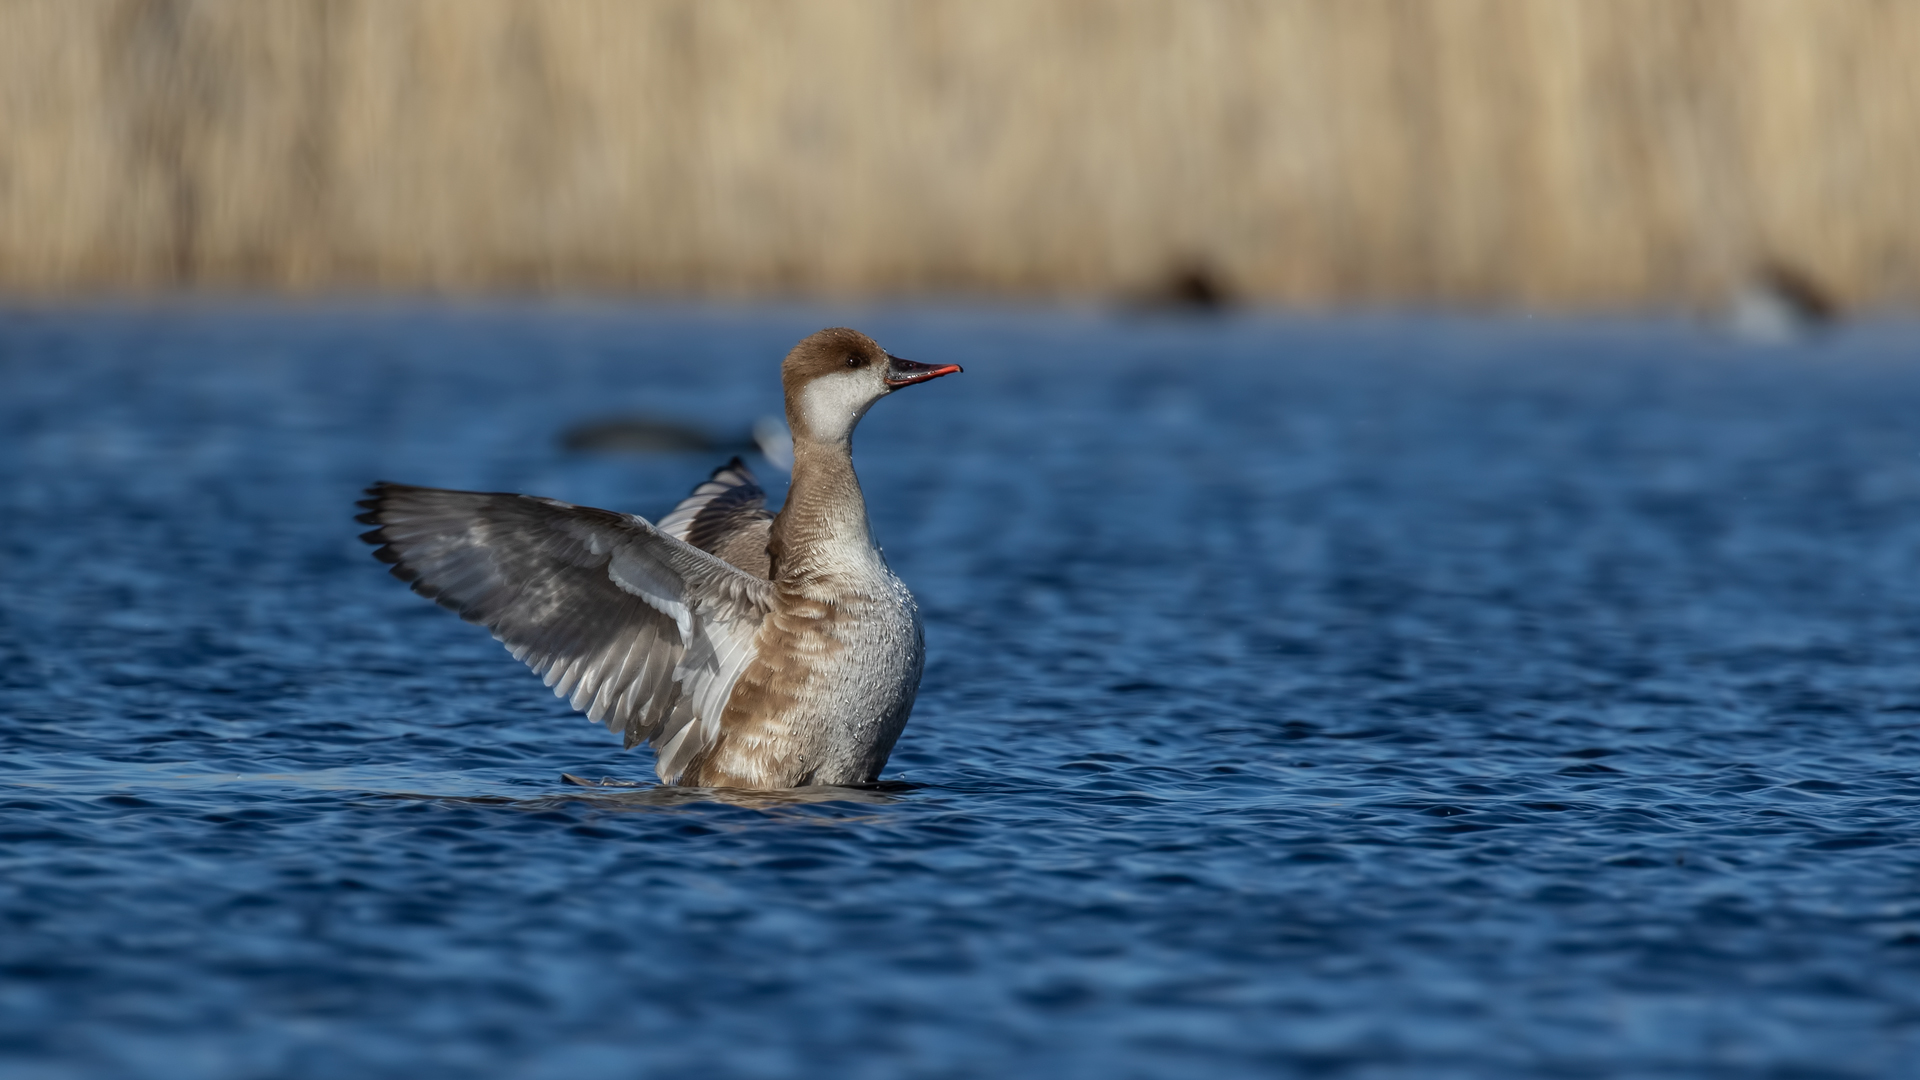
(854, 360)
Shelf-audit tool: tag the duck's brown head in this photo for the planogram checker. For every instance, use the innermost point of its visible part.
(833, 377)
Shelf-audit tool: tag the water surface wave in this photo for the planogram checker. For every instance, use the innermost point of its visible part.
(1336, 698)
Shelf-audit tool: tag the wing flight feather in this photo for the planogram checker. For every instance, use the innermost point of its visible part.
(633, 626)
(727, 516)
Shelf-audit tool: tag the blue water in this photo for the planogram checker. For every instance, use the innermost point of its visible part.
(1371, 697)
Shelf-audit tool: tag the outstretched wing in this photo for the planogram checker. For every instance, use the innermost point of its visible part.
(726, 516)
(637, 629)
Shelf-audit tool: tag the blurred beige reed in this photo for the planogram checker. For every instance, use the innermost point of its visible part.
(1566, 153)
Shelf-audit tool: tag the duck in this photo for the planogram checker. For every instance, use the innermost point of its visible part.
(750, 650)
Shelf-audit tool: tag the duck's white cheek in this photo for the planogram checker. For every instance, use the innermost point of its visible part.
(832, 404)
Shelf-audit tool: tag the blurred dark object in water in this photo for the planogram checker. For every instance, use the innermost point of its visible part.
(646, 435)
(1190, 287)
(1780, 304)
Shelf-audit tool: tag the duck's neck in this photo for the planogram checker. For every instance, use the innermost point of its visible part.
(822, 530)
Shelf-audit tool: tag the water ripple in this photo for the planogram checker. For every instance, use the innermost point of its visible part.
(1352, 698)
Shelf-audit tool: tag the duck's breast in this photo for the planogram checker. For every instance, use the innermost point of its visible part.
(832, 683)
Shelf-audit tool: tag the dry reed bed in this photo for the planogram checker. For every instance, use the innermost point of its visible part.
(1563, 152)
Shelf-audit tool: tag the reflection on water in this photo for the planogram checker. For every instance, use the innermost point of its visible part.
(1352, 698)
(627, 795)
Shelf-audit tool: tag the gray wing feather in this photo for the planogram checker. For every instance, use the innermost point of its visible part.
(637, 629)
(727, 516)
